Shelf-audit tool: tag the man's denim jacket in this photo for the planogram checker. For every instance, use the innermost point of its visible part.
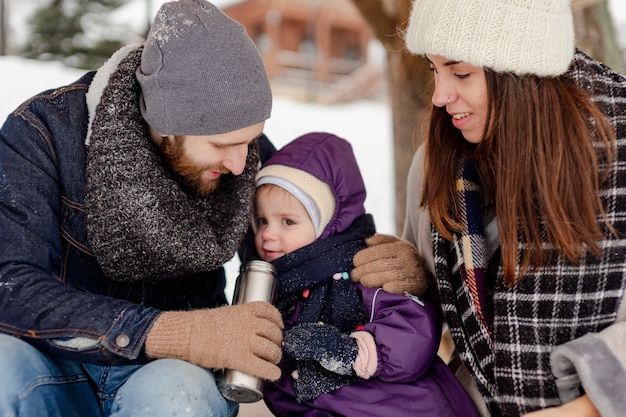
(52, 291)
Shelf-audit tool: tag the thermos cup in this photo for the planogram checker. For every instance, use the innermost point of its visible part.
(257, 281)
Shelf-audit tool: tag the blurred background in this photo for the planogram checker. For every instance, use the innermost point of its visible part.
(334, 65)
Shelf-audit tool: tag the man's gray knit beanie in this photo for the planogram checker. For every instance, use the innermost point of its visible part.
(200, 73)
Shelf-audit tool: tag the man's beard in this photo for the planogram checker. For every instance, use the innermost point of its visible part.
(190, 174)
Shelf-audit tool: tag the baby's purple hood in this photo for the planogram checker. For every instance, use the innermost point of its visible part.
(330, 159)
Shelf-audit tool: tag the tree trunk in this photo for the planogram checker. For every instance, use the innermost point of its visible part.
(410, 88)
(595, 33)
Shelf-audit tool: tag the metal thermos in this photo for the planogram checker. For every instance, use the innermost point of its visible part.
(256, 282)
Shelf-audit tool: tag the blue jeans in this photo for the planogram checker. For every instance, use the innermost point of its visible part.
(34, 384)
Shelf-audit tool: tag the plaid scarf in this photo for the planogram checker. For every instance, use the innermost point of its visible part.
(470, 245)
(509, 355)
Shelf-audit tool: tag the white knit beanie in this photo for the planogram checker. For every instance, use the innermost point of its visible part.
(518, 36)
(200, 73)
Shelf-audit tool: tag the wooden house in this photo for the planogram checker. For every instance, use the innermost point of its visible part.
(314, 50)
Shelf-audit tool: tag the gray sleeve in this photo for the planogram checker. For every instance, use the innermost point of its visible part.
(597, 362)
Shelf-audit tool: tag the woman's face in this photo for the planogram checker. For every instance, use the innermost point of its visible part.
(462, 89)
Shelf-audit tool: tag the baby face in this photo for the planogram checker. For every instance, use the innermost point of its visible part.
(282, 223)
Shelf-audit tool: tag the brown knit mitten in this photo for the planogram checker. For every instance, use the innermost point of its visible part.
(246, 337)
(391, 263)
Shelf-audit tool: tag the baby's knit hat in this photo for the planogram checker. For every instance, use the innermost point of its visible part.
(314, 195)
(200, 73)
(518, 36)
(321, 171)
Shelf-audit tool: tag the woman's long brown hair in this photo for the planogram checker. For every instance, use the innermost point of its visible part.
(545, 152)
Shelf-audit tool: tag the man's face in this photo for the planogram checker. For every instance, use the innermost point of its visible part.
(201, 160)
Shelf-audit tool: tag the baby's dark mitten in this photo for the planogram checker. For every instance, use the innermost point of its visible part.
(313, 380)
(323, 343)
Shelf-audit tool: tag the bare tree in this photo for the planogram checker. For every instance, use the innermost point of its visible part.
(595, 32)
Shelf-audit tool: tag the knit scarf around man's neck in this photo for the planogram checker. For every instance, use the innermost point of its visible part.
(141, 224)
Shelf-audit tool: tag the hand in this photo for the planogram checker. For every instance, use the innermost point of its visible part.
(391, 263)
(323, 343)
(580, 407)
(246, 337)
